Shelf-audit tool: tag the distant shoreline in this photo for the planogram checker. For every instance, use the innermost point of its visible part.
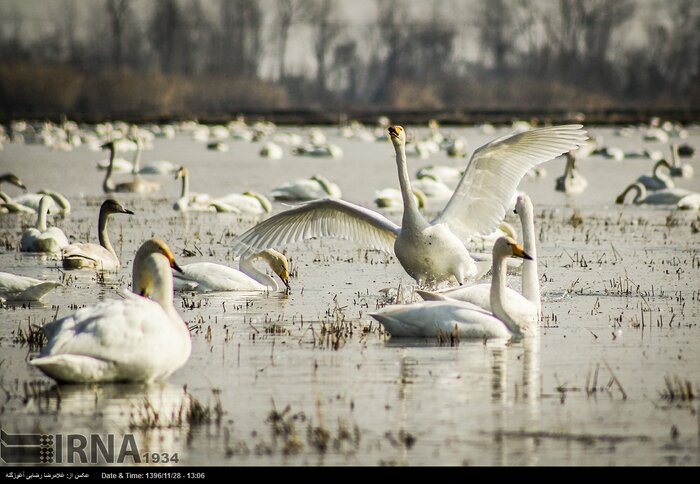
(299, 117)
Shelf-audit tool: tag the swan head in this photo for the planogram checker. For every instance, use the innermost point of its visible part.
(109, 145)
(523, 204)
(278, 263)
(181, 173)
(505, 246)
(113, 206)
(397, 135)
(152, 265)
(13, 180)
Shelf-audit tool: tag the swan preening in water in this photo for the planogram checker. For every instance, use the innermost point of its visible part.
(208, 276)
(92, 256)
(429, 252)
(467, 320)
(307, 189)
(572, 181)
(131, 339)
(249, 202)
(40, 238)
(681, 198)
(523, 308)
(390, 199)
(21, 288)
(61, 204)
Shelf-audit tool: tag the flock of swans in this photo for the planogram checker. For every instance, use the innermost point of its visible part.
(141, 337)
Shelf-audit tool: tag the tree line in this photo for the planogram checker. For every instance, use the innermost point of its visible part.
(180, 57)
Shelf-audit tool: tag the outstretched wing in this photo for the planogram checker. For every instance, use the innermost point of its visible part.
(321, 218)
(494, 171)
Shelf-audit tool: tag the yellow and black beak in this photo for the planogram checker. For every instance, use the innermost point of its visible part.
(519, 252)
(393, 132)
(174, 265)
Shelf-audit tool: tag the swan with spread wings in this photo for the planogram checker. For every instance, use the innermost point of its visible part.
(430, 252)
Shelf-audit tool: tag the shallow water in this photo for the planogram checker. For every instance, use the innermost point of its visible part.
(309, 378)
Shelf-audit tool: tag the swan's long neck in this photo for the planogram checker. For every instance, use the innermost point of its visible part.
(108, 184)
(498, 287)
(185, 190)
(43, 213)
(530, 279)
(411, 215)
(641, 192)
(674, 155)
(153, 278)
(137, 159)
(658, 174)
(247, 268)
(102, 231)
(569, 170)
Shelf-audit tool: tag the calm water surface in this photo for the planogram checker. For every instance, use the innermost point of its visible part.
(309, 378)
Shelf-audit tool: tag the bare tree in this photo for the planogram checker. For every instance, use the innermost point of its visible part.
(327, 28)
(288, 13)
(496, 26)
(239, 45)
(120, 15)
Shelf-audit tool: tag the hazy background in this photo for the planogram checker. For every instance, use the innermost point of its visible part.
(160, 58)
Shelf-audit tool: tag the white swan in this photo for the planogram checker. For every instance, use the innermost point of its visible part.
(681, 198)
(327, 150)
(390, 199)
(208, 276)
(271, 150)
(307, 189)
(136, 185)
(572, 181)
(433, 189)
(8, 205)
(446, 174)
(523, 308)
(40, 238)
(428, 319)
(248, 202)
(190, 202)
(427, 251)
(93, 256)
(21, 288)
(657, 180)
(131, 339)
(31, 200)
(156, 167)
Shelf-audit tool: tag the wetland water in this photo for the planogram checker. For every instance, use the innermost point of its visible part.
(309, 378)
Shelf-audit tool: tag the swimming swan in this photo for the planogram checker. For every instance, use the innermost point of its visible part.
(21, 288)
(524, 308)
(681, 198)
(428, 252)
(572, 181)
(307, 189)
(131, 339)
(248, 202)
(136, 185)
(40, 238)
(93, 256)
(208, 276)
(190, 202)
(428, 319)
(657, 180)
